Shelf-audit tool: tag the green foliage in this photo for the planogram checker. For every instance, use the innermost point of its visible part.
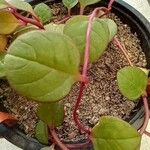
(2, 70)
(8, 23)
(70, 3)
(132, 82)
(42, 65)
(43, 12)
(3, 42)
(41, 132)
(103, 31)
(21, 5)
(115, 134)
(52, 114)
(3, 4)
(85, 3)
(54, 27)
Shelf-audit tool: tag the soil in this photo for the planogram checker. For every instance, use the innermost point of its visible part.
(102, 96)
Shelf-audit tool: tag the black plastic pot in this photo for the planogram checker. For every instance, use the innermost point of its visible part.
(139, 25)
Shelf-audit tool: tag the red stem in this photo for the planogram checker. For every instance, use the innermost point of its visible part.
(143, 128)
(147, 133)
(110, 4)
(28, 20)
(57, 140)
(123, 49)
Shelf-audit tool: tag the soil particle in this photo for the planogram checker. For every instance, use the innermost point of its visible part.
(101, 97)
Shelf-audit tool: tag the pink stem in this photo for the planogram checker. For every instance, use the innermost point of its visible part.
(84, 72)
(28, 20)
(63, 20)
(110, 4)
(82, 10)
(123, 49)
(143, 128)
(57, 140)
(147, 133)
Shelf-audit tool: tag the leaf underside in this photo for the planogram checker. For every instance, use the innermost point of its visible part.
(103, 30)
(115, 134)
(42, 65)
(132, 82)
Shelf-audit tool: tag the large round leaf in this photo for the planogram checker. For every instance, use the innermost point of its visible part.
(42, 65)
(101, 34)
(8, 23)
(52, 114)
(132, 82)
(114, 134)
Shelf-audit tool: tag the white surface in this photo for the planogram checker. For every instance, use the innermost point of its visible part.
(144, 8)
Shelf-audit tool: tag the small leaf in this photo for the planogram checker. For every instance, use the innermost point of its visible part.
(85, 3)
(8, 23)
(114, 134)
(101, 34)
(51, 27)
(70, 3)
(21, 5)
(51, 113)
(41, 132)
(132, 82)
(42, 65)
(43, 12)
(7, 119)
(3, 42)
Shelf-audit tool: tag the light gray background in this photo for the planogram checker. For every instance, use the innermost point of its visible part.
(144, 8)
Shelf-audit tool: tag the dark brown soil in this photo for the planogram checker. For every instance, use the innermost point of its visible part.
(101, 97)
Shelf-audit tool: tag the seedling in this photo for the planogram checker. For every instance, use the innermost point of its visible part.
(44, 64)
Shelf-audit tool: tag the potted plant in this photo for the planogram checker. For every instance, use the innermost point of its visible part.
(44, 62)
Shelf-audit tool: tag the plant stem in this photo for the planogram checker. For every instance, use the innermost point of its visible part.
(28, 20)
(63, 20)
(84, 71)
(123, 49)
(110, 4)
(143, 128)
(147, 133)
(82, 10)
(57, 140)
(69, 12)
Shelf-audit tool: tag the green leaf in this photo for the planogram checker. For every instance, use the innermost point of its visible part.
(132, 82)
(21, 5)
(54, 27)
(70, 3)
(42, 65)
(51, 113)
(2, 70)
(114, 134)
(43, 12)
(85, 3)
(101, 34)
(41, 132)
(3, 4)
(8, 23)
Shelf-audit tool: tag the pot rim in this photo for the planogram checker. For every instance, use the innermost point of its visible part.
(19, 139)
